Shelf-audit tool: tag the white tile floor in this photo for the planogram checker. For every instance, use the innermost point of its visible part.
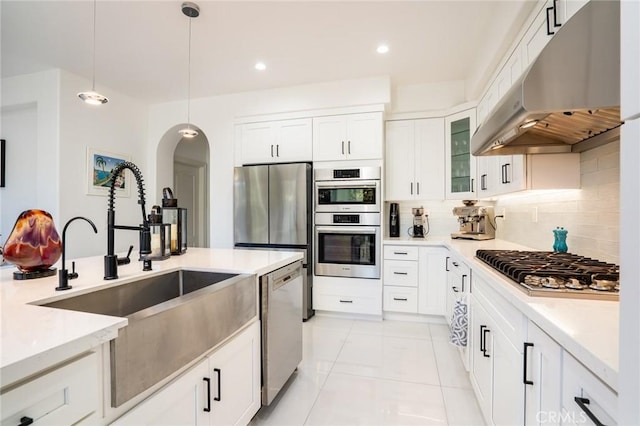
(375, 373)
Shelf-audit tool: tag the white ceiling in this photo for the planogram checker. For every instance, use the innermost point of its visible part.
(141, 46)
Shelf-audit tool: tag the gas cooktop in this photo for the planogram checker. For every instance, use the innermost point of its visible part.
(544, 273)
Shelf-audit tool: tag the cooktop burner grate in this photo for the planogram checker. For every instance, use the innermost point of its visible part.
(544, 273)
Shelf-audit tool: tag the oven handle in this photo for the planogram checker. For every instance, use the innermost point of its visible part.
(348, 229)
(349, 184)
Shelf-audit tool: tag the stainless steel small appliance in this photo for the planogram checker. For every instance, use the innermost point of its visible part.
(348, 190)
(418, 222)
(394, 220)
(476, 222)
(280, 310)
(553, 274)
(348, 245)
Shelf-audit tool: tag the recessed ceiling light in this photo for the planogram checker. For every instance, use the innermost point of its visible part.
(260, 66)
(383, 48)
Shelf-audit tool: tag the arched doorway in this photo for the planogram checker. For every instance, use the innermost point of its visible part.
(183, 165)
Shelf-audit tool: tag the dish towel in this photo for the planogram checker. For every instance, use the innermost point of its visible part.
(459, 322)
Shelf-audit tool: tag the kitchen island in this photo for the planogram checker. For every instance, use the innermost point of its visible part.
(36, 339)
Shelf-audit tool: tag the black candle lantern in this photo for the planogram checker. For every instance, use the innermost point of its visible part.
(160, 235)
(176, 217)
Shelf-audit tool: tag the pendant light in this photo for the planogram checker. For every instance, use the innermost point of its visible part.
(92, 97)
(191, 10)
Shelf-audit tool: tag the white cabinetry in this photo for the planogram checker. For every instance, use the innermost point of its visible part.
(223, 389)
(460, 165)
(415, 159)
(497, 330)
(65, 395)
(585, 399)
(276, 141)
(414, 279)
(542, 377)
(348, 137)
(349, 295)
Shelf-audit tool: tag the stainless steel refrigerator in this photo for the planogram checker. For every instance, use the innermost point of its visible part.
(272, 210)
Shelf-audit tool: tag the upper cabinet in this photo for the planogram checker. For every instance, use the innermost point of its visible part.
(415, 159)
(460, 165)
(276, 141)
(348, 137)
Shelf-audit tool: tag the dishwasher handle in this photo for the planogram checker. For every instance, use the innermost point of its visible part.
(282, 276)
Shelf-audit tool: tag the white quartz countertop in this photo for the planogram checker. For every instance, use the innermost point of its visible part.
(587, 329)
(35, 337)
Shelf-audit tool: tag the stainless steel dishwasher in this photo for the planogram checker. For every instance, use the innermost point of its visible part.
(281, 316)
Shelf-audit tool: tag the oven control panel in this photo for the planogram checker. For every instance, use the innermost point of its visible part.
(346, 218)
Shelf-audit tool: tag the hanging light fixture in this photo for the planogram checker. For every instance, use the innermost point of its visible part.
(191, 10)
(92, 97)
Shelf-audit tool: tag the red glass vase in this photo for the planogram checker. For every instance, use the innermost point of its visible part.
(33, 245)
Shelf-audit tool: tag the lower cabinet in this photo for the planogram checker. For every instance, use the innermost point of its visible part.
(414, 279)
(65, 395)
(585, 399)
(541, 376)
(496, 363)
(223, 389)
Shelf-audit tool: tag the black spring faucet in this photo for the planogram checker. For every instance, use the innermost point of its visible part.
(111, 260)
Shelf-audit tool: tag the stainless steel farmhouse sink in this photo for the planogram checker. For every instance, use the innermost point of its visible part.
(173, 319)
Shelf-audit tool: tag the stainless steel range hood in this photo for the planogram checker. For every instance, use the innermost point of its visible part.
(569, 96)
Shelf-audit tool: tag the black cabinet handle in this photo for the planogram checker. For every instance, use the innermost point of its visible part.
(446, 264)
(401, 252)
(272, 151)
(582, 403)
(524, 364)
(219, 397)
(208, 407)
(482, 327)
(502, 172)
(400, 299)
(463, 278)
(483, 182)
(506, 173)
(342, 147)
(400, 273)
(472, 182)
(484, 339)
(418, 188)
(455, 289)
(348, 147)
(549, 32)
(455, 264)
(278, 150)
(346, 301)
(24, 421)
(555, 14)
(411, 188)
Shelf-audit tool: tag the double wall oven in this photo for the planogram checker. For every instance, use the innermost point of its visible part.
(347, 222)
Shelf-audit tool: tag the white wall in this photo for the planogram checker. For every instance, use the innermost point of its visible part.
(441, 221)
(591, 214)
(32, 179)
(119, 126)
(216, 117)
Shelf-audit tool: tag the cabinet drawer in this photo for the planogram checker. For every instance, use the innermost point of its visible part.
(347, 303)
(598, 398)
(401, 253)
(400, 299)
(453, 264)
(401, 273)
(63, 396)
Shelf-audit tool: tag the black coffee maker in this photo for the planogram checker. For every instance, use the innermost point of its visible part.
(394, 220)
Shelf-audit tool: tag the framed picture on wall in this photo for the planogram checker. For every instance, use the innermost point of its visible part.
(2, 160)
(100, 165)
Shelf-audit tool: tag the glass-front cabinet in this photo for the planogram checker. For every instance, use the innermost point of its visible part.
(460, 164)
